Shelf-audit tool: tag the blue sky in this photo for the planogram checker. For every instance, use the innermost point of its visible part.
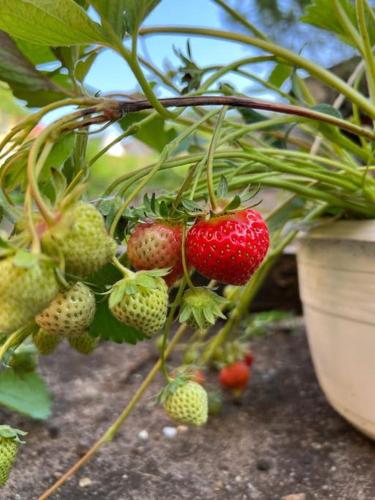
(111, 73)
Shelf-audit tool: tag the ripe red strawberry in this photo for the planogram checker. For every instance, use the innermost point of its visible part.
(157, 245)
(229, 247)
(235, 376)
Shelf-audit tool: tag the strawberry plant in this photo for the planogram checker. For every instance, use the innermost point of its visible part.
(140, 260)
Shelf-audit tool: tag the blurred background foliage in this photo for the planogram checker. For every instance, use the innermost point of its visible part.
(279, 19)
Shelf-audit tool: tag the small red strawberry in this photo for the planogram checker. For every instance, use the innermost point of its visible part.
(157, 245)
(235, 376)
(229, 247)
(249, 358)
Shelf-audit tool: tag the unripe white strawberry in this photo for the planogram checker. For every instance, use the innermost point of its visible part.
(70, 313)
(80, 237)
(24, 291)
(186, 403)
(141, 301)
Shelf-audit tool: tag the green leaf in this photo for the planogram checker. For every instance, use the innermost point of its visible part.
(107, 327)
(136, 11)
(112, 12)
(154, 133)
(67, 56)
(49, 22)
(84, 66)
(328, 110)
(36, 54)
(106, 276)
(322, 14)
(191, 73)
(25, 259)
(59, 183)
(25, 393)
(61, 151)
(280, 73)
(252, 116)
(19, 72)
(288, 212)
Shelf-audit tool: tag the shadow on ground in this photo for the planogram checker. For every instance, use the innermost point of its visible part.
(282, 439)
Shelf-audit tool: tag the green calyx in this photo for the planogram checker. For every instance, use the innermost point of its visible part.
(229, 353)
(201, 307)
(140, 300)
(134, 283)
(8, 432)
(171, 387)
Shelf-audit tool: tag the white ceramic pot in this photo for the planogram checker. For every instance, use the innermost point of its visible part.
(336, 267)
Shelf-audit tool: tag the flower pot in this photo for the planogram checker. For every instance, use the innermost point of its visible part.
(336, 268)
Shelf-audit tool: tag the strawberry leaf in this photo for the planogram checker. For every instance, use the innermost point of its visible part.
(327, 109)
(25, 393)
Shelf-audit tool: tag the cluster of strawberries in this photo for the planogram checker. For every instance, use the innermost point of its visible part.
(48, 288)
(226, 248)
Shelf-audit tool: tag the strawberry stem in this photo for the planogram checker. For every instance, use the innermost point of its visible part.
(112, 430)
(16, 338)
(167, 328)
(252, 287)
(210, 160)
(183, 258)
(31, 223)
(124, 270)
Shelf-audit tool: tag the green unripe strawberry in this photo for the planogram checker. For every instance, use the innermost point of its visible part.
(27, 285)
(201, 308)
(46, 342)
(80, 237)
(8, 452)
(83, 343)
(9, 443)
(70, 313)
(187, 403)
(215, 403)
(191, 356)
(141, 301)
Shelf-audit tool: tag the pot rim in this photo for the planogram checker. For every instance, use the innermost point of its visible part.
(357, 230)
